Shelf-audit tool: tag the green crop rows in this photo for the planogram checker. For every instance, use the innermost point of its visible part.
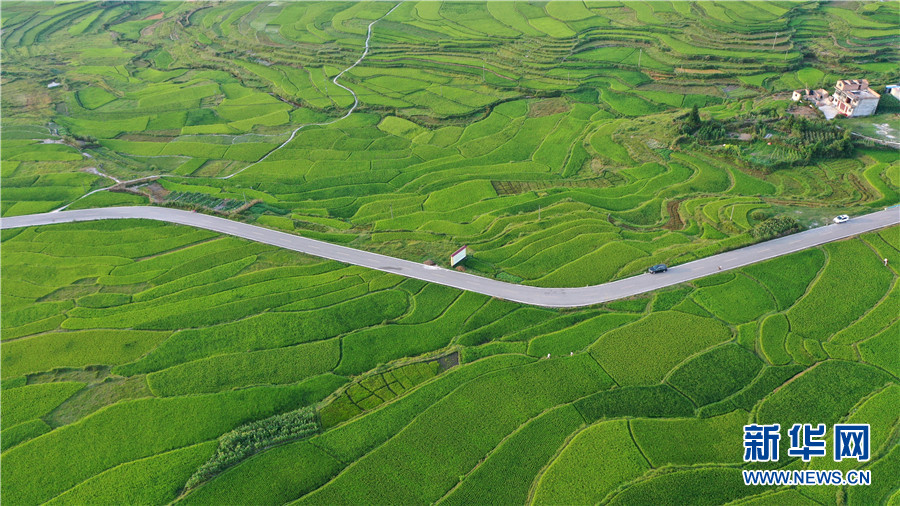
(376, 365)
(542, 136)
(145, 363)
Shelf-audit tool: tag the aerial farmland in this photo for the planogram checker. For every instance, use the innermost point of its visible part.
(501, 252)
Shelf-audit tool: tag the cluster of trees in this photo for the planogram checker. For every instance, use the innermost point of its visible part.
(801, 141)
(775, 227)
(815, 139)
(248, 439)
(708, 130)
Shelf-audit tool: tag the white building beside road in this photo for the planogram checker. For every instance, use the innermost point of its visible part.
(854, 98)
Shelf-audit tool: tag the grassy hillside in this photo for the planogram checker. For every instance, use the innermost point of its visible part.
(134, 352)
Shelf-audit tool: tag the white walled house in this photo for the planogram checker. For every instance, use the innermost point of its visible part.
(853, 98)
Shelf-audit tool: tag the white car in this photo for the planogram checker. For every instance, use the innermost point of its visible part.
(841, 219)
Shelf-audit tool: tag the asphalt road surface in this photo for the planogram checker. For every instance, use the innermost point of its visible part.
(547, 297)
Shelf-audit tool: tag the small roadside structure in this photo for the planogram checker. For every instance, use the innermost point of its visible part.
(853, 98)
(54, 84)
(458, 256)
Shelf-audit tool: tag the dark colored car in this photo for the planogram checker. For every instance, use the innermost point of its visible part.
(658, 268)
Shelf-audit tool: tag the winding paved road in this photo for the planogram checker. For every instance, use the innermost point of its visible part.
(548, 297)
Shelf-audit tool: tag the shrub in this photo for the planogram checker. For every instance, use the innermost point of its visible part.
(775, 227)
(244, 441)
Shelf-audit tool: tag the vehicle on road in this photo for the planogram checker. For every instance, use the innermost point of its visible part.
(841, 219)
(658, 268)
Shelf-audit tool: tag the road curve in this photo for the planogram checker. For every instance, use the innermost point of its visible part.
(547, 297)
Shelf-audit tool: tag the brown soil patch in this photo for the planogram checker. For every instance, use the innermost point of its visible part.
(547, 107)
(804, 111)
(156, 16)
(675, 222)
(448, 361)
(157, 190)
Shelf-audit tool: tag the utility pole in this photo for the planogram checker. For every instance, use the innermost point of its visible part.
(773, 41)
(639, 58)
(483, 63)
(539, 213)
(392, 211)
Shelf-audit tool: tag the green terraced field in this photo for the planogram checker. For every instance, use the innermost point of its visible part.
(125, 343)
(146, 363)
(506, 128)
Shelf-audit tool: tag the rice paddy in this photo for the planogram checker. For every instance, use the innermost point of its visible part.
(99, 361)
(148, 363)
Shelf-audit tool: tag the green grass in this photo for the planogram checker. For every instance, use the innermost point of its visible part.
(690, 441)
(668, 337)
(229, 371)
(507, 474)
(699, 486)
(848, 261)
(76, 349)
(845, 383)
(32, 401)
(475, 431)
(738, 301)
(773, 334)
(655, 401)
(553, 152)
(76, 452)
(507, 399)
(149, 480)
(787, 278)
(715, 374)
(272, 476)
(607, 449)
